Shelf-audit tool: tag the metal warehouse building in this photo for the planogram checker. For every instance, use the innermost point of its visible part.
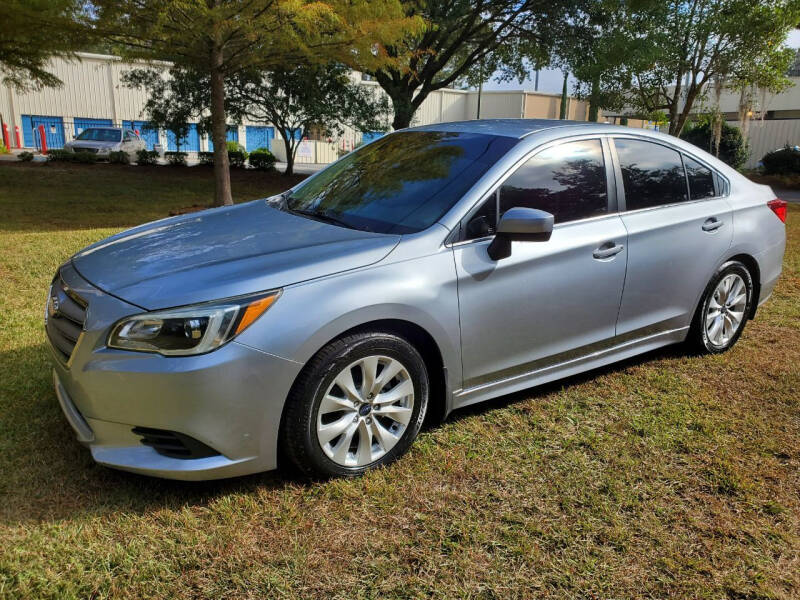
(93, 94)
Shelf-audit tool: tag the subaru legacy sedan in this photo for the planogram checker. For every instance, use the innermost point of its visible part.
(105, 140)
(434, 268)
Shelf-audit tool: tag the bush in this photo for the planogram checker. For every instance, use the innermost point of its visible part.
(237, 159)
(176, 159)
(733, 148)
(3, 149)
(85, 158)
(262, 159)
(206, 158)
(146, 157)
(236, 147)
(25, 156)
(785, 161)
(119, 158)
(59, 156)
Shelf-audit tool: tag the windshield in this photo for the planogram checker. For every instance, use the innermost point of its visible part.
(100, 135)
(401, 183)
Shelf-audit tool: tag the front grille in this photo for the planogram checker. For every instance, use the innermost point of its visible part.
(64, 317)
(173, 444)
(84, 149)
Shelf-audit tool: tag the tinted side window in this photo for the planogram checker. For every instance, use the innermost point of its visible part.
(652, 174)
(567, 180)
(701, 179)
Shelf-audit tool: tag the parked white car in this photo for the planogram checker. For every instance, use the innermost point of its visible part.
(105, 140)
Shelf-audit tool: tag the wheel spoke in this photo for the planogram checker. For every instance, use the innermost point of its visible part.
(331, 403)
(369, 372)
(401, 414)
(345, 381)
(390, 370)
(714, 330)
(385, 438)
(343, 446)
(736, 317)
(401, 390)
(331, 431)
(364, 453)
(737, 300)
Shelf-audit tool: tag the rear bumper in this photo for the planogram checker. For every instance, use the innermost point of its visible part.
(230, 400)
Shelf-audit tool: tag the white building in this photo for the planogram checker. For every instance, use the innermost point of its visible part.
(93, 94)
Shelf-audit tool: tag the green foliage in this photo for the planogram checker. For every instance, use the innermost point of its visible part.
(25, 156)
(86, 158)
(262, 159)
(785, 161)
(146, 157)
(57, 155)
(236, 147)
(733, 148)
(3, 149)
(176, 159)
(206, 159)
(33, 31)
(119, 158)
(237, 159)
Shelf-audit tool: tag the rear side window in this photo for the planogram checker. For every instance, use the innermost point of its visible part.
(567, 180)
(701, 179)
(651, 173)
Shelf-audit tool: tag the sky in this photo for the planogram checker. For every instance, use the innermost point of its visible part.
(551, 80)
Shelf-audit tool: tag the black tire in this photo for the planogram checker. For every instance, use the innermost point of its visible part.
(698, 335)
(299, 442)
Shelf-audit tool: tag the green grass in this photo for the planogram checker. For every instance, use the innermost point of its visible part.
(665, 476)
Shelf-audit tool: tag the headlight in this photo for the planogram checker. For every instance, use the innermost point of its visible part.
(192, 329)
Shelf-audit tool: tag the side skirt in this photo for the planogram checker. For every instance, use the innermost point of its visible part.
(600, 358)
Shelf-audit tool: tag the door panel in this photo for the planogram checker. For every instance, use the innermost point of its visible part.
(548, 299)
(672, 253)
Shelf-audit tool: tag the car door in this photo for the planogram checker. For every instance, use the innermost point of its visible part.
(549, 301)
(679, 227)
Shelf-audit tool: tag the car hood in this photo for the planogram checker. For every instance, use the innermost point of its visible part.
(92, 144)
(224, 252)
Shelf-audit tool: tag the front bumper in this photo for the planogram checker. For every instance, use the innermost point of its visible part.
(230, 400)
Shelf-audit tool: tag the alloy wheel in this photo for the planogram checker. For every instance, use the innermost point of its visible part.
(725, 311)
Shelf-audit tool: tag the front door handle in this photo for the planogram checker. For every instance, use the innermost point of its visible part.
(608, 250)
(712, 224)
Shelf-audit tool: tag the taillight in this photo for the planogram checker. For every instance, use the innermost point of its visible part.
(779, 208)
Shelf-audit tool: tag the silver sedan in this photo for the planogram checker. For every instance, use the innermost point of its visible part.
(434, 268)
(102, 141)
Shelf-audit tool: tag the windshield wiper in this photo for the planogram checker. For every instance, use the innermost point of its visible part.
(321, 216)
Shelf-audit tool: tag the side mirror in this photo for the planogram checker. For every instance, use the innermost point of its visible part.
(520, 225)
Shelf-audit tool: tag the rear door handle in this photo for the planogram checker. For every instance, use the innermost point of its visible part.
(712, 224)
(607, 250)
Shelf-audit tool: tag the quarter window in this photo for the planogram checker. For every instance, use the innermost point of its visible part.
(701, 179)
(652, 174)
(567, 180)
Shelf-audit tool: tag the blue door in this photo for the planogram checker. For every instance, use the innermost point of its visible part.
(148, 134)
(53, 128)
(190, 143)
(81, 123)
(259, 136)
(370, 136)
(232, 135)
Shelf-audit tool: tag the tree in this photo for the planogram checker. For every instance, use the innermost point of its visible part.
(222, 38)
(32, 32)
(460, 34)
(294, 101)
(686, 43)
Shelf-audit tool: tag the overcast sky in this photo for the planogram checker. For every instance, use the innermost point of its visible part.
(551, 80)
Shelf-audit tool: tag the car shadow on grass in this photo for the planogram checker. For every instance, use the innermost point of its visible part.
(46, 475)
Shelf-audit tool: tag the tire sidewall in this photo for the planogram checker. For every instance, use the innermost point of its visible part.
(732, 267)
(324, 374)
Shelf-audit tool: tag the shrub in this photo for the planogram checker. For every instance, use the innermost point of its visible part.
(176, 159)
(59, 156)
(236, 147)
(785, 161)
(85, 158)
(3, 149)
(146, 157)
(119, 158)
(25, 156)
(733, 148)
(262, 159)
(206, 158)
(237, 159)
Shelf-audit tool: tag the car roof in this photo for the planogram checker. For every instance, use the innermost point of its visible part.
(515, 128)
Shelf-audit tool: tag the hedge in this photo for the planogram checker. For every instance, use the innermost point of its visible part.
(176, 159)
(146, 157)
(785, 161)
(262, 159)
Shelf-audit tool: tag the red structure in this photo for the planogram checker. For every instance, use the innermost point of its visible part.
(17, 136)
(42, 140)
(6, 137)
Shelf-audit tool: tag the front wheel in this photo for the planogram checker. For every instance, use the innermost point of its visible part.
(723, 310)
(357, 405)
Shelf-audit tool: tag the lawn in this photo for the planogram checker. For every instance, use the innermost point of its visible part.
(665, 476)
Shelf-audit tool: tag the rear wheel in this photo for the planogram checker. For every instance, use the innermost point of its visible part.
(358, 404)
(723, 310)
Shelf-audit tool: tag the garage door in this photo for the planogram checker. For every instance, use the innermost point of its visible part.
(147, 133)
(232, 135)
(259, 137)
(190, 143)
(85, 123)
(53, 128)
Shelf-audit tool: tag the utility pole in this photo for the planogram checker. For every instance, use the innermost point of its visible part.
(480, 88)
(563, 114)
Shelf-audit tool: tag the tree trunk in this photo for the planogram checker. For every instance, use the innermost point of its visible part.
(222, 174)
(563, 112)
(403, 103)
(290, 150)
(594, 99)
